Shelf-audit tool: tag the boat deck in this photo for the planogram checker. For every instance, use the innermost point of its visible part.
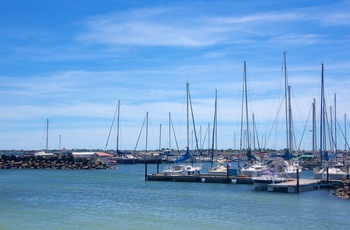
(291, 186)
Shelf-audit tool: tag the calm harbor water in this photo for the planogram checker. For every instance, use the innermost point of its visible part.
(122, 199)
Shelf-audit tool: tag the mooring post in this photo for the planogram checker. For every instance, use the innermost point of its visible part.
(157, 167)
(227, 171)
(227, 174)
(145, 171)
(298, 179)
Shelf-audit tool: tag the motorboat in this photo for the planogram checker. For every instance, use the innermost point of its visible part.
(182, 169)
(254, 170)
(334, 173)
(283, 167)
(267, 177)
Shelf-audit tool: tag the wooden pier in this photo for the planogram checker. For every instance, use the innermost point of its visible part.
(291, 186)
(286, 187)
(203, 178)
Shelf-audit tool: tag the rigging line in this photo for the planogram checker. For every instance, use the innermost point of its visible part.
(330, 134)
(346, 142)
(194, 125)
(110, 130)
(298, 109)
(42, 138)
(204, 139)
(307, 120)
(274, 123)
(172, 125)
(256, 132)
(144, 121)
(280, 97)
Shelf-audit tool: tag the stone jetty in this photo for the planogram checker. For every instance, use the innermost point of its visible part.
(344, 191)
(59, 161)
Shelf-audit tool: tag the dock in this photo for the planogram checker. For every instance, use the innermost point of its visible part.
(232, 178)
(203, 178)
(291, 186)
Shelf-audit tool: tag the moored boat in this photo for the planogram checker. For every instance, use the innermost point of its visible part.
(182, 169)
(267, 177)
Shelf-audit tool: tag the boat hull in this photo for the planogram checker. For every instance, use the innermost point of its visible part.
(262, 182)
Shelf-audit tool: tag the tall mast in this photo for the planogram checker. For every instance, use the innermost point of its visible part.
(289, 121)
(214, 130)
(208, 137)
(59, 143)
(47, 134)
(322, 115)
(188, 121)
(246, 104)
(335, 123)
(286, 98)
(146, 131)
(345, 133)
(117, 143)
(314, 144)
(169, 132)
(160, 136)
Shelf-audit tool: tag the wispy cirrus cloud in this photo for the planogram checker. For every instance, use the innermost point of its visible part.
(168, 27)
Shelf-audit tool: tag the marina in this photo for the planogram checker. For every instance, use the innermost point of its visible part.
(122, 199)
(290, 186)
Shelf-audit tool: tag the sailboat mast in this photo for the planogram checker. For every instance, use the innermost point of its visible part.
(187, 116)
(335, 123)
(117, 143)
(246, 104)
(286, 99)
(59, 143)
(160, 136)
(314, 144)
(214, 130)
(146, 131)
(290, 135)
(169, 131)
(322, 115)
(47, 134)
(345, 147)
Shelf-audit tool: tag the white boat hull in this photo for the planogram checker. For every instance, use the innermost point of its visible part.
(262, 182)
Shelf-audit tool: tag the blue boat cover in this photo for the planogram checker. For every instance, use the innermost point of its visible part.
(287, 155)
(327, 156)
(184, 157)
(250, 156)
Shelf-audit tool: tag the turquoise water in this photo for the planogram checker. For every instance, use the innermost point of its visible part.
(122, 199)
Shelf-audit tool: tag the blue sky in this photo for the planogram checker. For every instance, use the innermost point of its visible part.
(71, 61)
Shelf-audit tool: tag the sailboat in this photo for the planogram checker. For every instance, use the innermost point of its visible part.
(120, 158)
(184, 169)
(327, 172)
(43, 152)
(249, 169)
(291, 168)
(219, 169)
(276, 171)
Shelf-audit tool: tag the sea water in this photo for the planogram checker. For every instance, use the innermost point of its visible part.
(121, 199)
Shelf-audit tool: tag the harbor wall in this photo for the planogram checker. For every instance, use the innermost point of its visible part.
(59, 161)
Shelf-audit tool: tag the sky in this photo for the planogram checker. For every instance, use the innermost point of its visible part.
(70, 62)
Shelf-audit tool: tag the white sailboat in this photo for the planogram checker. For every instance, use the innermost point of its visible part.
(219, 168)
(328, 171)
(280, 169)
(184, 169)
(249, 169)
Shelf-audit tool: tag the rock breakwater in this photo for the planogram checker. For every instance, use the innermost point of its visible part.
(59, 161)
